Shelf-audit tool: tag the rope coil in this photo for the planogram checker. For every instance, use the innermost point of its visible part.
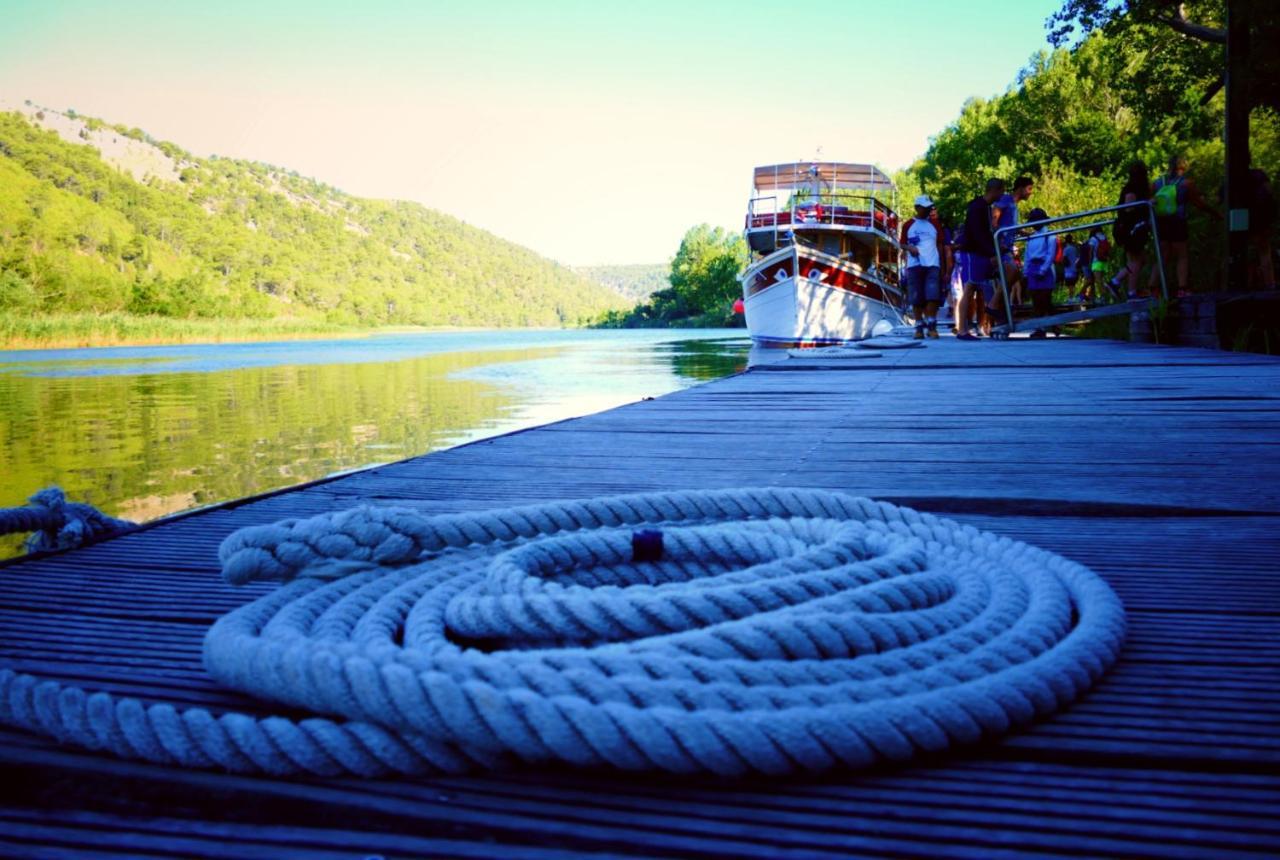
(762, 631)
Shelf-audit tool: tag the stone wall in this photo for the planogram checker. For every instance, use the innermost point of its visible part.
(1247, 322)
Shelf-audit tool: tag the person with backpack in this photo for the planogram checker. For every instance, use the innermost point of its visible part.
(1170, 195)
(1097, 251)
(1132, 230)
(1037, 268)
(1086, 294)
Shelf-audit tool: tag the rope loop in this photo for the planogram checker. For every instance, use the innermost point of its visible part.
(753, 630)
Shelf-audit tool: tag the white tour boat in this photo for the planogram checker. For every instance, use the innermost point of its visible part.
(824, 255)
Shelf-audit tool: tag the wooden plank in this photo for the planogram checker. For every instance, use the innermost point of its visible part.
(1030, 808)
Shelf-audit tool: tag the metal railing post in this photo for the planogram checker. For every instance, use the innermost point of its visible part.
(1004, 283)
(1155, 238)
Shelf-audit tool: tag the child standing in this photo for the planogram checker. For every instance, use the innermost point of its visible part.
(1071, 265)
(1097, 252)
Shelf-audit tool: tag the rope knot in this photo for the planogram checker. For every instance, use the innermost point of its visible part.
(56, 523)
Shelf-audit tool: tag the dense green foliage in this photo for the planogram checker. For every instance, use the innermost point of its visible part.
(704, 284)
(633, 282)
(237, 239)
(1075, 119)
(1174, 34)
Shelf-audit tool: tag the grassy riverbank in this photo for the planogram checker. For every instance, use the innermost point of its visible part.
(22, 331)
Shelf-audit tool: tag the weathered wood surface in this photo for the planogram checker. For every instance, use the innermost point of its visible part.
(1157, 467)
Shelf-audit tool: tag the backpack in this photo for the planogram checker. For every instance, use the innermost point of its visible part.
(1057, 258)
(1103, 250)
(1166, 197)
(1138, 232)
(1042, 252)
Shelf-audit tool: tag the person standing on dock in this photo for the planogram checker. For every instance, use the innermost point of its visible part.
(955, 277)
(1042, 250)
(1132, 231)
(926, 254)
(1097, 250)
(1004, 213)
(1071, 264)
(978, 258)
(1262, 216)
(1170, 195)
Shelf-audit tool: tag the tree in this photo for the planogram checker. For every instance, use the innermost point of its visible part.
(1221, 32)
(1089, 15)
(1183, 41)
(704, 272)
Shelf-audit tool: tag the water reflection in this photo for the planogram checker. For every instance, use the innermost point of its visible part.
(706, 359)
(156, 431)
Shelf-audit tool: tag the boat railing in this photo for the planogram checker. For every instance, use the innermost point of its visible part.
(1026, 231)
(853, 212)
(759, 220)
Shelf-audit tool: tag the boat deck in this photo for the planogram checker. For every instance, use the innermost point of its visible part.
(1157, 467)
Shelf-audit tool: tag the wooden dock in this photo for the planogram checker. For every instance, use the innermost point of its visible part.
(1158, 467)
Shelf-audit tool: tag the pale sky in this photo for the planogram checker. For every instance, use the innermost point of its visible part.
(591, 132)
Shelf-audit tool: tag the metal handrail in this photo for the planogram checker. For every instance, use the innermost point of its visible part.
(1151, 219)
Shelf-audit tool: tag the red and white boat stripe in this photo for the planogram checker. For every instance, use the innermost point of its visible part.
(819, 268)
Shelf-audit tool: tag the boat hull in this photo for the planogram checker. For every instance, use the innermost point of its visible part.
(800, 298)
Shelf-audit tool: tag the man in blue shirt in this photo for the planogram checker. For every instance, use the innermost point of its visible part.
(1004, 213)
(977, 256)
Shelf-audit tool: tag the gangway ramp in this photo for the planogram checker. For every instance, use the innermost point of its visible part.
(1068, 317)
(1093, 218)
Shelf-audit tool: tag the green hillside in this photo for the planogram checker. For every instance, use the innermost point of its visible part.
(218, 238)
(635, 282)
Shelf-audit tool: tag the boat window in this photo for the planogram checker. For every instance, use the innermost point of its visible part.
(859, 253)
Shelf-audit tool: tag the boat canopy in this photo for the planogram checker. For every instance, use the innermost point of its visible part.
(832, 175)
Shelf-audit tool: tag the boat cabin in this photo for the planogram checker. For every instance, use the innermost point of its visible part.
(841, 209)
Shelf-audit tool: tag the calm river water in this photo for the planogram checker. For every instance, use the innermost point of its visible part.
(146, 431)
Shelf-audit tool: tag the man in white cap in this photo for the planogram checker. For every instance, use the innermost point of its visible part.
(923, 240)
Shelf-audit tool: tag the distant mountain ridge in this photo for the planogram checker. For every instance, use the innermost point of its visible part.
(101, 218)
(636, 283)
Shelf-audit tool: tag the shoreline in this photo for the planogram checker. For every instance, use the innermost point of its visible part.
(86, 331)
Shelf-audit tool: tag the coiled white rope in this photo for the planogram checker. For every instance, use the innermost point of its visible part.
(760, 630)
